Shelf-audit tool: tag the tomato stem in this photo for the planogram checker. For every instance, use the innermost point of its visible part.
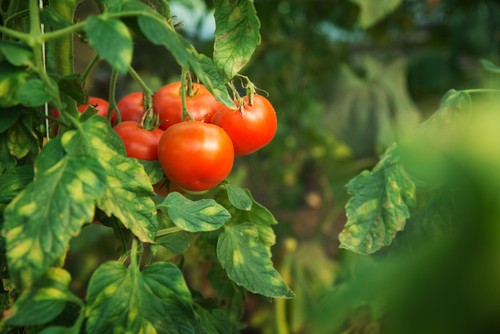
(167, 231)
(481, 90)
(133, 253)
(147, 101)
(112, 98)
(88, 69)
(184, 78)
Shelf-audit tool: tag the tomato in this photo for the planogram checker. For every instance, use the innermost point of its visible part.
(167, 104)
(131, 107)
(250, 127)
(139, 143)
(196, 156)
(100, 104)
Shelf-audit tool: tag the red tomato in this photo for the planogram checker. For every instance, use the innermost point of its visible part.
(100, 104)
(139, 143)
(131, 107)
(251, 127)
(196, 156)
(167, 104)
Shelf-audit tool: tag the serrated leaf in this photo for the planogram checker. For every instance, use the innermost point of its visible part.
(153, 169)
(126, 300)
(128, 196)
(111, 40)
(380, 204)
(11, 78)
(247, 262)
(236, 35)
(17, 54)
(194, 216)
(33, 93)
(374, 11)
(42, 219)
(238, 197)
(159, 32)
(13, 181)
(43, 301)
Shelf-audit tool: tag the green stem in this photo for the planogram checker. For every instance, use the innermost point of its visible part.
(133, 253)
(167, 231)
(145, 88)
(112, 97)
(185, 112)
(63, 46)
(53, 119)
(16, 34)
(15, 16)
(64, 31)
(281, 321)
(88, 69)
(481, 90)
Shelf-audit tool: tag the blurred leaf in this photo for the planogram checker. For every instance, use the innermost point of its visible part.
(33, 93)
(11, 79)
(43, 301)
(227, 291)
(13, 181)
(71, 85)
(215, 321)
(194, 216)
(176, 243)
(374, 11)
(248, 263)
(16, 53)
(42, 219)
(128, 197)
(154, 300)
(236, 35)
(8, 116)
(111, 40)
(53, 19)
(490, 66)
(21, 139)
(380, 204)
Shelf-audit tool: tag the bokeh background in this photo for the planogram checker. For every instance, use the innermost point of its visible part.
(347, 78)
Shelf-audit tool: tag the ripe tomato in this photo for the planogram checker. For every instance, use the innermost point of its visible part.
(167, 104)
(196, 156)
(139, 143)
(100, 104)
(251, 127)
(131, 107)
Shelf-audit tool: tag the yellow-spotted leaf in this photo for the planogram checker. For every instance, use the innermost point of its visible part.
(194, 216)
(129, 191)
(42, 219)
(126, 300)
(43, 301)
(248, 263)
(380, 204)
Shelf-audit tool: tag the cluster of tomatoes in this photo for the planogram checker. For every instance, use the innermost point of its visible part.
(195, 154)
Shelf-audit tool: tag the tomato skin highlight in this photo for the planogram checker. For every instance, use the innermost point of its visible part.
(250, 128)
(167, 104)
(131, 107)
(195, 156)
(139, 143)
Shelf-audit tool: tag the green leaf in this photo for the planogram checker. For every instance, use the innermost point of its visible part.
(13, 181)
(71, 85)
(215, 321)
(238, 197)
(176, 243)
(490, 66)
(194, 216)
(43, 301)
(42, 219)
(53, 19)
(236, 35)
(153, 169)
(374, 11)
(11, 79)
(111, 40)
(33, 93)
(128, 196)
(16, 53)
(247, 262)
(8, 116)
(380, 204)
(126, 300)
(228, 292)
(22, 140)
(159, 32)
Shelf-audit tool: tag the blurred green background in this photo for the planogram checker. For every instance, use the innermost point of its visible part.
(347, 78)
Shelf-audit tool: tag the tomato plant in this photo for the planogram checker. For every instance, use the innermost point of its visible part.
(195, 156)
(251, 126)
(139, 143)
(131, 107)
(200, 103)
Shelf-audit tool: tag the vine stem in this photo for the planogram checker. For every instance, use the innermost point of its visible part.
(185, 112)
(481, 90)
(112, 98)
